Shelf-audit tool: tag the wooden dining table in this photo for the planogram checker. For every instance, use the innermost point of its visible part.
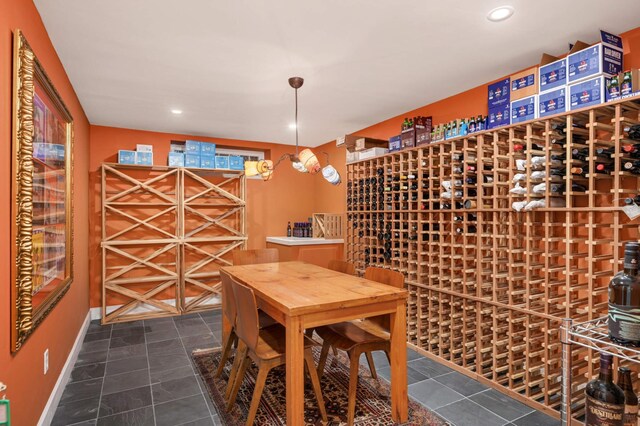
(300, 295)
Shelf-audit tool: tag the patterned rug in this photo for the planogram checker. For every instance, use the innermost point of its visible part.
(373, 406)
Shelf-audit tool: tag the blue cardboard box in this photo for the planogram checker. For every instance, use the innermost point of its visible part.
(552, 75)
(144, 158)
(498, 95)
(552, 102)
(207, 148)
(176, 159)
(126, 157)
(207, 162)
(499, 117)
(524, 109)
(192, 147)
(395, 143)
(222, 162)
(588, 93)
(191, 160)
(236, 162)
(602, 58)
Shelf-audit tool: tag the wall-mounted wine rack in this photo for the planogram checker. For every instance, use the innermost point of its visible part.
(489, 285)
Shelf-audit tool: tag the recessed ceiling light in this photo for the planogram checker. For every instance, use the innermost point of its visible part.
(500, 13)
(176, 111)
(292, 126)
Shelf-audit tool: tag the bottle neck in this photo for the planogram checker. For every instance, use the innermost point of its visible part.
(624, 381)
(631, 271)
(606, 372)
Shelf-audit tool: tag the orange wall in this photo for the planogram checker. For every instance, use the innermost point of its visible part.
(289, 196)
(28, 389)
(465, 104)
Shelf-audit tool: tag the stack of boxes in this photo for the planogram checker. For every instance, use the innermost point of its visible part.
(142, 156)
(552, 83)
(524, 95)
(499, 104)
(361, 148)
(201, 155)
(590, 68)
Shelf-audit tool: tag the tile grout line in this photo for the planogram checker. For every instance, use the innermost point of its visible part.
(104, 376)
(196, 373)
(146, 349)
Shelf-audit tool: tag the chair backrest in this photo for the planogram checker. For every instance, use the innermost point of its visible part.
(247, 326)
(384, 276)
(342, 266)
(389, 277)
(229, 309)
(252, 257)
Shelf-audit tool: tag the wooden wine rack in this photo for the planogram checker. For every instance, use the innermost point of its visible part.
(165, 234)
(490, 303)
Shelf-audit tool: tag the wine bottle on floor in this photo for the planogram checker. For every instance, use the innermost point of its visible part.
(604, 399)
(624, 300)
(630, 398)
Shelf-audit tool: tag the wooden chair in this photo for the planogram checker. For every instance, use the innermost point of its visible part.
(229, 311)
(242, 257)
(361, 336)
(266, 347)
(253, 257)
(342, 266)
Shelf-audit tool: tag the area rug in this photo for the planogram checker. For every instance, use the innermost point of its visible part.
(373, 405)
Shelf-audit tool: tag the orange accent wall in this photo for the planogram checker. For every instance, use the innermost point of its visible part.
(465, 104)
(288, 196)
(28, 388)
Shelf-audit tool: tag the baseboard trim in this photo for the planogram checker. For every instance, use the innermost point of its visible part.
(63, 378)
(96, 313)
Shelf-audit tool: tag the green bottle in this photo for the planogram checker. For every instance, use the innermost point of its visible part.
(626, 88)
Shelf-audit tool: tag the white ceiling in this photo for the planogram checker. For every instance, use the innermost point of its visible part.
(226, 62)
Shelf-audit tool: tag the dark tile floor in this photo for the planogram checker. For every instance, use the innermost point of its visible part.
(140, 373)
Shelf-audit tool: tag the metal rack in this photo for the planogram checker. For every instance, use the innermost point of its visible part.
(594, 335)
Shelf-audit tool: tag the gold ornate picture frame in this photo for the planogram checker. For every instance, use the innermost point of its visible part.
(42, 170)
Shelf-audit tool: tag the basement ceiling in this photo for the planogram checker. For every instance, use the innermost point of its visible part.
(225, 63)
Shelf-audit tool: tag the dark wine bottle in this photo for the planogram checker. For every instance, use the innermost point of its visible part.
(624, 300)
(630, 417)
(604, 399)
(633, 132)
(604, 167)
(605, 152)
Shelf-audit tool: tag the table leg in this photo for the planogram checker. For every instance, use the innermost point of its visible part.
(399, 398)
(295, 371)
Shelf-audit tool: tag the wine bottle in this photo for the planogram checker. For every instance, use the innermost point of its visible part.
(633, 132)
(559, 157)
(625, 383)
(624, 300)
(604, 167)
(605, 152)
(604, 399)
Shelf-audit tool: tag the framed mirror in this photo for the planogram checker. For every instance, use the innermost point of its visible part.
(41, 232)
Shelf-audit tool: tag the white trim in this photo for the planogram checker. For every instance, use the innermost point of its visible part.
(54, 399)
(96, 313)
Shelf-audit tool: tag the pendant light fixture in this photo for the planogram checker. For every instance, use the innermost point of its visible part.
(304, 161)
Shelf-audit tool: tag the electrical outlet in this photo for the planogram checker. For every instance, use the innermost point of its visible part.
(46, 361)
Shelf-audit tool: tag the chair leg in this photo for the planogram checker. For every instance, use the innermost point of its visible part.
(263, 372)
(323, 357)
(353, 385)
(386, 352)
(335, 351)
(241, 354)
(315, 381)
(225, 353)
(372, 366)
(236, 385)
